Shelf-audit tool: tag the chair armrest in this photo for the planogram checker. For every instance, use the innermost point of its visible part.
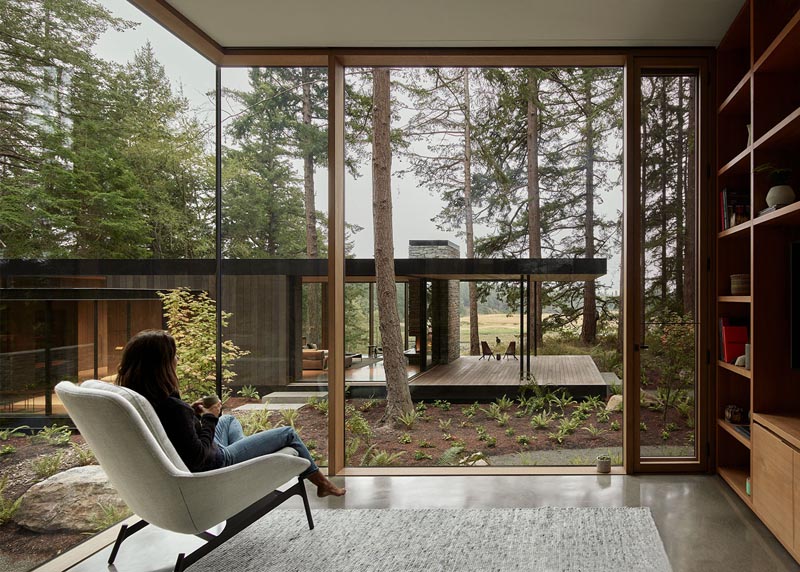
(214, 496)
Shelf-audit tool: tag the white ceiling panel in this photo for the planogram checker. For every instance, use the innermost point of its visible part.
(461, 23)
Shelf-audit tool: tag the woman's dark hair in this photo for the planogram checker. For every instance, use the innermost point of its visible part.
(148, 365)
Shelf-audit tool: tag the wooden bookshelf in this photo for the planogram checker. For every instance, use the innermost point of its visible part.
(754, 94)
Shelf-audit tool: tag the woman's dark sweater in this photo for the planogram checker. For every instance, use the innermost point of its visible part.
(192, 436)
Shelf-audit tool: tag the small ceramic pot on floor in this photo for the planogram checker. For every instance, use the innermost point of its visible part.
(603, 464)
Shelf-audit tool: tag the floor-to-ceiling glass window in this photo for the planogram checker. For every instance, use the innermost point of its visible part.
(669, 242)
(450, 169)
(274, 248)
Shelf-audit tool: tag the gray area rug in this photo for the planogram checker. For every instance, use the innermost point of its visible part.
(537, 539)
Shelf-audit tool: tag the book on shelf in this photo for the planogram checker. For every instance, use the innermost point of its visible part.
(768, 210)
(726, 322)
(743, 430)
(734, 338)
(734, 207)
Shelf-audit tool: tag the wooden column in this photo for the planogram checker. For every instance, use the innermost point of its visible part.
(630, 277)
(336, 246)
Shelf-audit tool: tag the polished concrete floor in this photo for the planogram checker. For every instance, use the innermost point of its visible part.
(704, 526)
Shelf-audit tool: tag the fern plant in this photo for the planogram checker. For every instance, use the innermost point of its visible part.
(408, 419)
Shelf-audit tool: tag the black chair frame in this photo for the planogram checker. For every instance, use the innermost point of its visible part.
(233, 525)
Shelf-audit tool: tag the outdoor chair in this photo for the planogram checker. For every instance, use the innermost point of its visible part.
(126, 436)
(486, 351)
(511, 350)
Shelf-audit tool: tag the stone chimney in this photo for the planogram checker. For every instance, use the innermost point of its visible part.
(445, 303)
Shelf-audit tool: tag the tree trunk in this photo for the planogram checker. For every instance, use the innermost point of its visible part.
(662, 239)
(474, 339)
(534, 210)
(680, 191)
(398, 396)
(689, 198)
(589, 325)
(313, 300)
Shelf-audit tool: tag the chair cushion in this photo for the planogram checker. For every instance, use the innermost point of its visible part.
(147, 414)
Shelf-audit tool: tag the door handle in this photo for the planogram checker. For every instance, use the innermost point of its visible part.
(638, 347)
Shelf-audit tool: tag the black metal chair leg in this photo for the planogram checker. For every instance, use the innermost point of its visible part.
(179, 562)
(304, 495)
(118, 543)
(124, 532)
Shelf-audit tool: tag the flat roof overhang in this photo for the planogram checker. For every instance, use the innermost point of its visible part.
(316, 270)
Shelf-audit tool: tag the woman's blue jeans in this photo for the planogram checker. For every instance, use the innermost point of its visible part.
(237, 448)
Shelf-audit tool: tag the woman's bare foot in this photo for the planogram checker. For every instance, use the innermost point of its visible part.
(324, 486)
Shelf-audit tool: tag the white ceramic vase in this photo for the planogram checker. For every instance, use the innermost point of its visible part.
(780, 195)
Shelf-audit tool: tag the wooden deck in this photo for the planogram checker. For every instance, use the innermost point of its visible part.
(548, 370)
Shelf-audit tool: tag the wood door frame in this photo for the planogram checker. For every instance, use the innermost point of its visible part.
(639, 64)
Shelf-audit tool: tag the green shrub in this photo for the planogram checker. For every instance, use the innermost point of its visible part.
(421, 456)
(249, 392)
(84, 456)
(47, 466)
(504, 403)
(472, 410)
(56, 435)
(523, 440)
(289, 417)
(541, 420)
(368, 404)
(425, 445)
(510, 432)
(379, 457)
(7, 506)
(404, 439)
(451, 456)
(594, 432)
(615, 426)
(444, 424)
(7, 450)
(442, 404)
(108, 516)
(503, 419)
(603, 416)
(256, 421)
(356, 424)
(320, 405)
(408, 419)
(191, 319)
(6, 434)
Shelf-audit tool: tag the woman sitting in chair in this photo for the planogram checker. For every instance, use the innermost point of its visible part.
(203, 439)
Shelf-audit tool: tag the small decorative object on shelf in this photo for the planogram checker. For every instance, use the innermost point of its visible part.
(780, 193)
(747, 487)
(740, 284)
(747, 357)
(603, 464)
(734, 414)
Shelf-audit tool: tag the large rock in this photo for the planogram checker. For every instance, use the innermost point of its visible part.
(614, 403)
(76, 500)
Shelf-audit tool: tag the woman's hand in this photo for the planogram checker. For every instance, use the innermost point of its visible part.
(214, 410)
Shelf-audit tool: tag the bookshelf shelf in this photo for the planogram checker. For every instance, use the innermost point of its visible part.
(736, 477)
(738, 229)
(737, 164)
(734, 299)
(786, 216)
(731, 430)
(735, 369)
(738, 101)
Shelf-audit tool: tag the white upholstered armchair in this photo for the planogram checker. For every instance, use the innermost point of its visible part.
(130, 444)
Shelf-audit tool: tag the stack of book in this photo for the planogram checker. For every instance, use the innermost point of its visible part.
(734, 207)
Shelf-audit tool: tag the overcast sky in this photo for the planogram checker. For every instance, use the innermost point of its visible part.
(413, 206)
